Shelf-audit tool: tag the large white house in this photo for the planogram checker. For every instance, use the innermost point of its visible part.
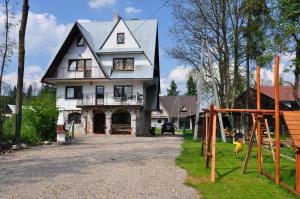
(107, 76)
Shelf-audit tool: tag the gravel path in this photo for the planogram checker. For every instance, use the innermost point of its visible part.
(97, 167)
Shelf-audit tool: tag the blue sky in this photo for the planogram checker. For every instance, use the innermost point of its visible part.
(49, 20)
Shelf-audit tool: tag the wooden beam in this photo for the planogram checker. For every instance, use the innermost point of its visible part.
(277, 144)
(258, 127)
(249, 146)
(270, 139)
(213, 148)
(288, 188)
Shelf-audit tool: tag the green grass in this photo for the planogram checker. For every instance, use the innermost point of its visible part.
(230, 183)
(178, 131)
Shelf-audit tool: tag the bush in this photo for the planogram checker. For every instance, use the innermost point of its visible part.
(41, 114)
(38, 121)
(9, 128)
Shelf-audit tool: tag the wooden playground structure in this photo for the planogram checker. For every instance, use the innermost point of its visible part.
(291, 119)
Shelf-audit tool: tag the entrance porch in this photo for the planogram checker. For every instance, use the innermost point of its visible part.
(112, 120)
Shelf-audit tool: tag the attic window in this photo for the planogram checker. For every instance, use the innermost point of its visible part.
(120, 38)
(80, 41)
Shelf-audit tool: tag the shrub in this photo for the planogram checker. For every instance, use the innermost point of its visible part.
(38, 121)
(9, 128)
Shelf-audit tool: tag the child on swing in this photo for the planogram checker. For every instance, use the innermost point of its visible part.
(238, 143)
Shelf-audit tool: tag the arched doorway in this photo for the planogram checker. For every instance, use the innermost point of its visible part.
(121, 122)
(99, 123)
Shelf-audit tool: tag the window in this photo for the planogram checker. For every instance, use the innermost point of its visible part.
(123, 63)
(100, 92)
(123, 91)
(120, 38)
(72, 65)
(159, 121)
(76, 117)
(81, 65)
(80, 41)
(74, 92)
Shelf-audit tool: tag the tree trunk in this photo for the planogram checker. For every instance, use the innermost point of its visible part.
(5, 44)
(236, 56)
(3, 65)
(297, 74)
(21, 63)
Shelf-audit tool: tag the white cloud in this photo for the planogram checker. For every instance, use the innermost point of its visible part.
(32, 75)
(132, 10)
(44, 33)
(179, 74)
(267, 74)
(102, 3)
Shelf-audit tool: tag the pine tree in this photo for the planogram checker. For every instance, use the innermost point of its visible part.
(172, 91)
(29, 92)
(191, 87)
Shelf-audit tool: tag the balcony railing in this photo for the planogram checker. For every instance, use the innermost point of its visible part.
(110, 99)
(64, 73)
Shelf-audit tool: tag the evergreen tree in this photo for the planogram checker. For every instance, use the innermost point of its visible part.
(172, 91)
(191, 87)
(29, 92)
(47, 89)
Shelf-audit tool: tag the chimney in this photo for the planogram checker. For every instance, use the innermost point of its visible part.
(116, 17)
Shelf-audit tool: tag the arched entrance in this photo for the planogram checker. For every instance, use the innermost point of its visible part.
(121, 122)
(99, 123)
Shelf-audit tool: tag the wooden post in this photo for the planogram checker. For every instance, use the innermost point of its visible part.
(213, 148)
(207, 154)
(259, 154)
(204, 132)
(297, 171)
(277, 144)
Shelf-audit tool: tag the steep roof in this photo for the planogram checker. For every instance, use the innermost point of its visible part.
(173, 103)
(96, 33)
(285, 93)
(64, 46)
(144, 31)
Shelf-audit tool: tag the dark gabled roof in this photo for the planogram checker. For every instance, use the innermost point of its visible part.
(173, 103)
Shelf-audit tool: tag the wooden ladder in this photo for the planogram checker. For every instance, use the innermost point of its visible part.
(265, 134)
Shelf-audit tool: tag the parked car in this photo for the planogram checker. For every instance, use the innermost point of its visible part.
(168, 127)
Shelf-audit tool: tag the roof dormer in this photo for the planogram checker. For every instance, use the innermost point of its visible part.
(120, 38)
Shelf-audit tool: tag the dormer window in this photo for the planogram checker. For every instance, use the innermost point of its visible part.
(123, 63)
(120, 38)
(80, 41)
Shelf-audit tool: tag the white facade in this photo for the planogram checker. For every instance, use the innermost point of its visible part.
(120, 28)
(106, 112)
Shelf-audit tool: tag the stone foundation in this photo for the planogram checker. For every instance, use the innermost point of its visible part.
(140, 120)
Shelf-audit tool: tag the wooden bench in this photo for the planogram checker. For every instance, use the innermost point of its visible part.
(121, 129)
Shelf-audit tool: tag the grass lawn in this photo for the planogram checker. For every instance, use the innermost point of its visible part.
(230, 183)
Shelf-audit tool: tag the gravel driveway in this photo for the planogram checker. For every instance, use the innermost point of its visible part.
(97, 167)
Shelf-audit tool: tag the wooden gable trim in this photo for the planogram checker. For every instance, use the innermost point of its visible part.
(65, 47)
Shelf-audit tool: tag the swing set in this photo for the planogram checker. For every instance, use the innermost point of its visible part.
(259, 123)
